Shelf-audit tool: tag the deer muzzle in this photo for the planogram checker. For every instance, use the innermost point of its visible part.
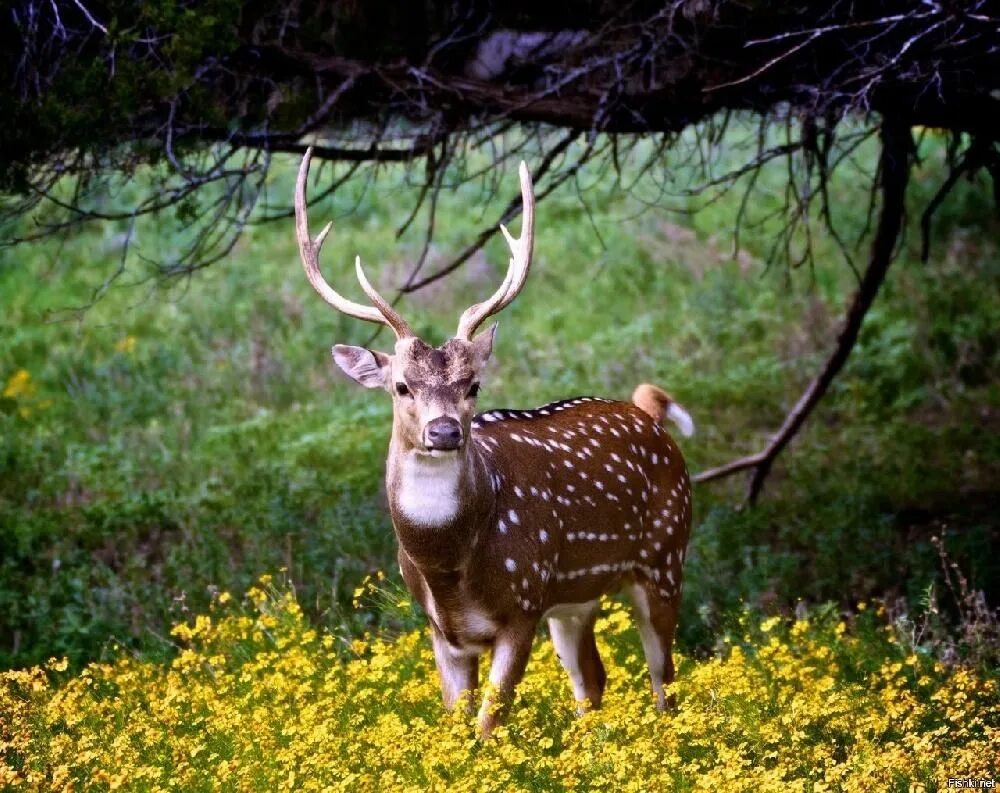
(443, 434)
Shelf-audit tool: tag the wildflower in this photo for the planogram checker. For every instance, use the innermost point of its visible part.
(770, 624)
(126, 345)
(19, 385)
(262, 700)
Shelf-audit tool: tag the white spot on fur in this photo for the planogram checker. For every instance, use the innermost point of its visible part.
(511, 565)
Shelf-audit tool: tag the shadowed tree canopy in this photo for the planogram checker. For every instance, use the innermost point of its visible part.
(96, 88)
(109, 83)
(207, 91)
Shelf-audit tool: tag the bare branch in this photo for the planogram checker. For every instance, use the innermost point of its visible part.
(897, 147)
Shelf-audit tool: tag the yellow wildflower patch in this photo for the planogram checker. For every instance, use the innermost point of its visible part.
(258, 699)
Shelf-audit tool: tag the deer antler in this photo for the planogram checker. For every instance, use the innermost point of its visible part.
(517, 271)
(382, 313)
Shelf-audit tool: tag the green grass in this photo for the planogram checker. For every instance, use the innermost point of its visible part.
(186, 436)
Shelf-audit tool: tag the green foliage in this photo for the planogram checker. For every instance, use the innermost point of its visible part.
(96, 97)
(182, 438)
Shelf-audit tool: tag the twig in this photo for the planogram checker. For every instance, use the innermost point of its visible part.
(897, 147)
(511, 211)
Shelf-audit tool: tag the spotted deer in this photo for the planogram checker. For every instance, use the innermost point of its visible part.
(509, 517)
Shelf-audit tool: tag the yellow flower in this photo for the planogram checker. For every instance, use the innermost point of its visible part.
(126, 344)
(19, 385)
(264, 700)
(770, 624)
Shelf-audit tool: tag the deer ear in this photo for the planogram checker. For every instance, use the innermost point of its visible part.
(368, 367)
(482, 345)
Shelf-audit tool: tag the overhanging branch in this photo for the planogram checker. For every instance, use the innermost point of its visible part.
(897, 148)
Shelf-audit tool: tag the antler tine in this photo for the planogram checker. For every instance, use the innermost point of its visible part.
(517, 271)
(392, 317)
(381, 313)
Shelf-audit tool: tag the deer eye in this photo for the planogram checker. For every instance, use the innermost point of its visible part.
(473, 391)
(402, 390)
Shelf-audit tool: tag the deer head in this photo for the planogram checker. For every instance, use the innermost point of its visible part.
(433, 389)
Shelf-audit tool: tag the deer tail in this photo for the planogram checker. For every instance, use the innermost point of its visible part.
(660, 405)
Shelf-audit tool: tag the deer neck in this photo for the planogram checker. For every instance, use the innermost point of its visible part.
(438, 503)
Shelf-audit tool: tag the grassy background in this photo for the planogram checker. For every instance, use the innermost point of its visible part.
(182, 438)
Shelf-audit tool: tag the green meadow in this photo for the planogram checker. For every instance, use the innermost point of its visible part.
(162, 441)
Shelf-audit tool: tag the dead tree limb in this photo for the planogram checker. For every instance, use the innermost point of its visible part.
(894, 167)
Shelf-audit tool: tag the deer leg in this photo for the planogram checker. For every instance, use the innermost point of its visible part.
(657, 620)
(511, 649)
(458, 670)
(573, 637)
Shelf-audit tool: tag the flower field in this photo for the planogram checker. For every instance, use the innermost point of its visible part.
(259, 700)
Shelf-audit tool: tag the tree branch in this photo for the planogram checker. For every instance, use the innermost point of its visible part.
(894, 166)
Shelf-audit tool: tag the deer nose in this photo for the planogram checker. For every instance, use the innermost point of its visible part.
(443, 433)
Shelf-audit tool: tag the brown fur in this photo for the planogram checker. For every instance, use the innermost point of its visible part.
(653, 400)
(532, 532)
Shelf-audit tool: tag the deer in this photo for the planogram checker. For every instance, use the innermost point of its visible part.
(510, 517)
